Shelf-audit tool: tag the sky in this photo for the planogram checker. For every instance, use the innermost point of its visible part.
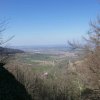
(47, 22)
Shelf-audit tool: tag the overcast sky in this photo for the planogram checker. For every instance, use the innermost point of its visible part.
(47, 22)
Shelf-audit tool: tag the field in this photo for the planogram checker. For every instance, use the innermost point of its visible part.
(44, 62)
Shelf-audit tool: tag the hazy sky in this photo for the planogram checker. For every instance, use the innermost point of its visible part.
(46, 22)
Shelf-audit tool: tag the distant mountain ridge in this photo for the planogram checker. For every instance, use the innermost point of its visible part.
(5, 50)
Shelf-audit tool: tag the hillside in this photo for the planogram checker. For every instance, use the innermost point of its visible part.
(5, 50)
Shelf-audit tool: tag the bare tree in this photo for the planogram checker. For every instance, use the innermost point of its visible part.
(91, 49)
(92, 41)
(4, 56)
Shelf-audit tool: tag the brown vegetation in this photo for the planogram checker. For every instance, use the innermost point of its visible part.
(89, 68)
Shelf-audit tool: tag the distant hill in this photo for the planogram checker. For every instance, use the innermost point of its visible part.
(4, 50)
